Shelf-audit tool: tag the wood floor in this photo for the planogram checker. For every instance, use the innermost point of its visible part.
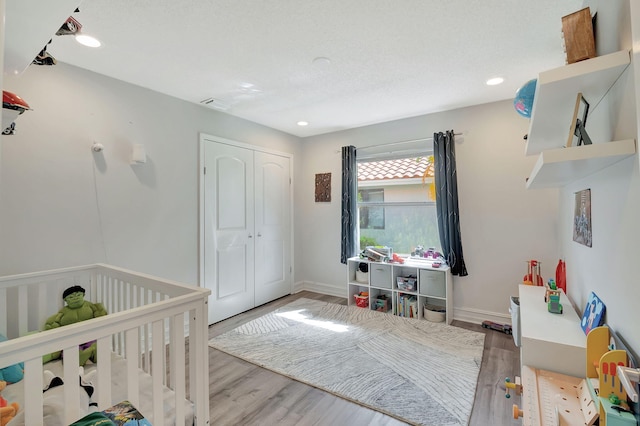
(245, 394)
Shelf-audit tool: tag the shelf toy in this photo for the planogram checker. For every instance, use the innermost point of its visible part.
(533, 277)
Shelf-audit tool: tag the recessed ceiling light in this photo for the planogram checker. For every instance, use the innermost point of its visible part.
(495, 81)
(303, 123)
(87, 40)
(321, 62)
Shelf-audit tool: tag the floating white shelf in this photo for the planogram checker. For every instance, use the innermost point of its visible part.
(556, 92)
(557, 167)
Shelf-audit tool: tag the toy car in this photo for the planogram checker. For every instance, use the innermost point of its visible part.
(553, 305)
(504, 328)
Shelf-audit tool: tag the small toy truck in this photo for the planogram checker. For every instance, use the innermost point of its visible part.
(553, 305)
(552, 297)
(504, 328)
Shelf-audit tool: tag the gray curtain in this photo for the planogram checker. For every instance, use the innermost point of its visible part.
(349, 245)
(444, 154)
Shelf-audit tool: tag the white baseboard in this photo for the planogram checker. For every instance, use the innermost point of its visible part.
(321, 288)
(474, 316)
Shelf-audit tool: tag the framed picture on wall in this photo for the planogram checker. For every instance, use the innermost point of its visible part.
(323, 188)
(582, 218)
(577, 132)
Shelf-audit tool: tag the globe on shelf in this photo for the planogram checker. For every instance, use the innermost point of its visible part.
(523, 102)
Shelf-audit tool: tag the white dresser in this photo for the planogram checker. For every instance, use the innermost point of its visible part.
(553, 342)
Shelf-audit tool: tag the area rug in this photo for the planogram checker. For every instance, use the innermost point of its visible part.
(417, 371)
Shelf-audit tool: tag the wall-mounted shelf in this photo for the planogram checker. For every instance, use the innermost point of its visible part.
(557, 167)
(556, 92)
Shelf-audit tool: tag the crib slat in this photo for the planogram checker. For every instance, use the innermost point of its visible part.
(104, 373)
(33, 400)
(23, 314)
(71, 377)
(157, 372)
(177, 366)
(131, 346)
(193, 354)
(146, 299)
(199, 335)
(3, 312)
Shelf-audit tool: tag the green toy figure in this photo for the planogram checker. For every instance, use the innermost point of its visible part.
(77, 309)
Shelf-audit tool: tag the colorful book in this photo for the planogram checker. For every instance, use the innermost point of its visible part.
(121, 414)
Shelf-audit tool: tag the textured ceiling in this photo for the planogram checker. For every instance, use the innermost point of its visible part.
(387, 59)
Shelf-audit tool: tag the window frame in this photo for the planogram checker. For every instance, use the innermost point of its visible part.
(384, 183)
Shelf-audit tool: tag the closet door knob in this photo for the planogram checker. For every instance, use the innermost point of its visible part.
(259, 234)
(250, 236)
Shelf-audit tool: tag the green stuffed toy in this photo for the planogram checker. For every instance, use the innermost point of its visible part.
(77, 309)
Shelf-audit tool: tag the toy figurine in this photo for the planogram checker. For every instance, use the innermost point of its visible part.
(7, 411)
(77, 309)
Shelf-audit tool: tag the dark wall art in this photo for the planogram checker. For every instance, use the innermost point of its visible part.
(323, 187)
(582, 218)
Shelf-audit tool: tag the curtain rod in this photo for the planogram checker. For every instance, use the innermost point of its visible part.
(401, 142)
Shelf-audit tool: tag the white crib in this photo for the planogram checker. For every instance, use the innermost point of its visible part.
(152, 326)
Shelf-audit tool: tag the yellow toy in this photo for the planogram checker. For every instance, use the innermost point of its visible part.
(609, 395)
(77, 309)
(7, 411)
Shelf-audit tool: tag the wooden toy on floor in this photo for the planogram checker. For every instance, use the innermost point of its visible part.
(516, 386)
(550, 399)
(604, 384)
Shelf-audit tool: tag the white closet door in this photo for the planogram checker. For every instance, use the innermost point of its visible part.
(228, 229)
(272, 225)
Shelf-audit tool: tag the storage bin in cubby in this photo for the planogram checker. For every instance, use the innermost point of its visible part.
(380, 275)
(432, 283)
(381, 305)
(407, 283)
(361, 301)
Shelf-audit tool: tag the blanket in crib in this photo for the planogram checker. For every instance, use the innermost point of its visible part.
(121, 414)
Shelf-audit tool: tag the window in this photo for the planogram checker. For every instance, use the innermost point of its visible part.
(371, 217)
(396, 203)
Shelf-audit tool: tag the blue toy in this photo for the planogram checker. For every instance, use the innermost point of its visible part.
(13, 373)
(523, 102)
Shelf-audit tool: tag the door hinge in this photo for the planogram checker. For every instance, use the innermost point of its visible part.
(204, 171)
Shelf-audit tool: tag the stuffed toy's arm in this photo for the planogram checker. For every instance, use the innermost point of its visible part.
(53, 321)
(98, 310)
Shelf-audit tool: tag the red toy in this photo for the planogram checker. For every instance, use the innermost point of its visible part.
(561, 275)
(533, 276)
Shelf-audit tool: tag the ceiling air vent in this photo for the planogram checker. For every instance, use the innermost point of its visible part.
(216, 104)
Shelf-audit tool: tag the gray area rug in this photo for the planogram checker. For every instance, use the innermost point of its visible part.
(420, 372)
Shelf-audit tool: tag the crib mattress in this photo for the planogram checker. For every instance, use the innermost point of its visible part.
(53, 409)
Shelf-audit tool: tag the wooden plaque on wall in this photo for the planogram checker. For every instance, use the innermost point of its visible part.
(577, 29)
(323, 187)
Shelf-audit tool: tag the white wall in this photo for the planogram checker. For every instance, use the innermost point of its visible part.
(502, 224)
(49, 198)
(608, 268)
(62, 205)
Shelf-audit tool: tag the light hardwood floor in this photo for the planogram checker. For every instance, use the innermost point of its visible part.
(245, 394)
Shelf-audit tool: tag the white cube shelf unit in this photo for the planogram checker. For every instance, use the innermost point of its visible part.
(432, 287)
